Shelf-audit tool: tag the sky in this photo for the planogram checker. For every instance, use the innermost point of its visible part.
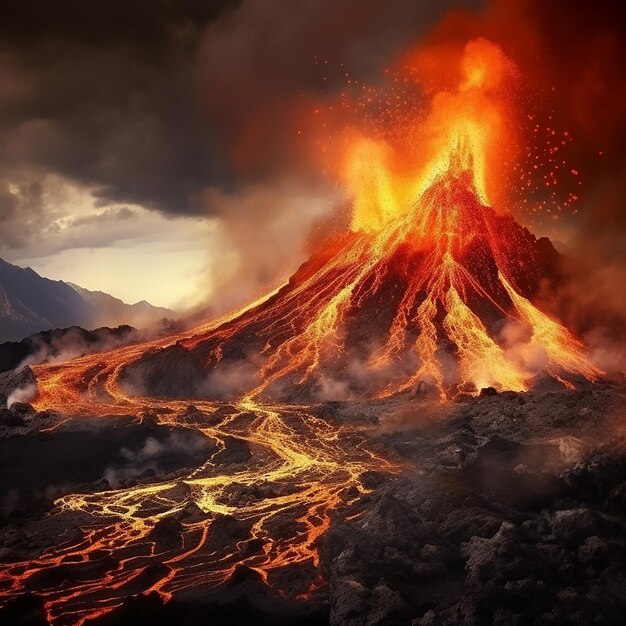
(165, 150)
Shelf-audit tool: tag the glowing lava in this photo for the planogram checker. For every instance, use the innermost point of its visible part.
(423, 288)
(462, 272)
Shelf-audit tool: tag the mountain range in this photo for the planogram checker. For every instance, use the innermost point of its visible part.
(30, 303)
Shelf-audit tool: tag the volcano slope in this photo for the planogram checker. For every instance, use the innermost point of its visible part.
(417, 499)
(426, 300)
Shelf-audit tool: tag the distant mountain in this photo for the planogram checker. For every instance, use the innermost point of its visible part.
(108, 308)
(30, 303)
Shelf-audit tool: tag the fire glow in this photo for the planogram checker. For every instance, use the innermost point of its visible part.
(426, 249)
(434, 197)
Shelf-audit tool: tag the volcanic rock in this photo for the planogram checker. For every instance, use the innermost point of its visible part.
(11, 381)
(471, 554)
(26, 610)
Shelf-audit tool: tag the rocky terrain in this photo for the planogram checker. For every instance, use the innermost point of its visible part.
(505, 509)
(61, 344)
(510, 511)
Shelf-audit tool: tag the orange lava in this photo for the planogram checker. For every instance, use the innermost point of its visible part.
(306, 466)
(422, 217)
(432, 198)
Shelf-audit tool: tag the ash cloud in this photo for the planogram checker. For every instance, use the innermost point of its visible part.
(194, 109)
(264, 234)
(521, 349)
(590, 300)
(586, 88)
(232, 381)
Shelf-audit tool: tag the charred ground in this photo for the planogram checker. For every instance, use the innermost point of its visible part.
(505, 509)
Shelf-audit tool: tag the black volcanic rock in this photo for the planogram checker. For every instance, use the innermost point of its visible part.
(240, 607)
(25, 610)
(103, 453)
(63, 343)
(525, 527)
(521, 533)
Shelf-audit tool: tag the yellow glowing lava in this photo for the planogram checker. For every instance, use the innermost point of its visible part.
(422, 231)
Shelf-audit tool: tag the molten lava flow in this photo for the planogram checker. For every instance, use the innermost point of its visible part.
(302, 467)
(419, 290)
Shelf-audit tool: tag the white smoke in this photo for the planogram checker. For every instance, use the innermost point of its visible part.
(22, 394)
(521, 349)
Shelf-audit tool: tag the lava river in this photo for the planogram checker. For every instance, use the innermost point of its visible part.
(301, 469)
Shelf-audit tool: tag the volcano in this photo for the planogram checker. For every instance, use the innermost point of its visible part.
(204, 474)
(428, 300)
(430, 285)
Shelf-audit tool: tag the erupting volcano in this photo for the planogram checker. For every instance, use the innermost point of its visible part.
(431, 285)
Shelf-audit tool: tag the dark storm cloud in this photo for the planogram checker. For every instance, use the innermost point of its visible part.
(584, 85)
(140, 22)
(263, 67)
(152, 101)
(101, 93)
(107, 215)
(21, 212)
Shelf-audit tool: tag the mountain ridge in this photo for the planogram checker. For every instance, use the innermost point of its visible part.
(30, 303)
